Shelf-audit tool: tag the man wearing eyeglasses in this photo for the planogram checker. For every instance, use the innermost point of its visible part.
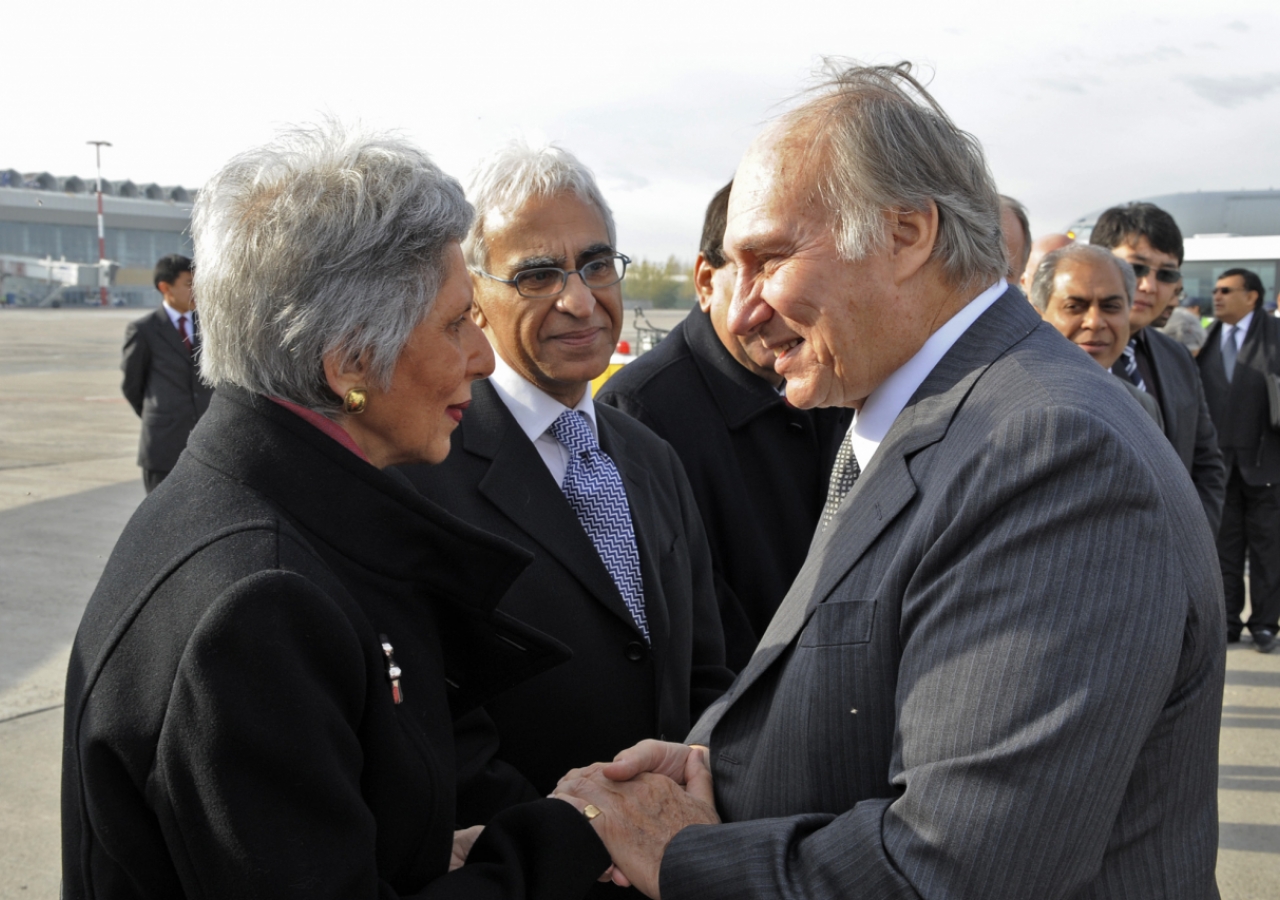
(1240, 353)
(621, 572)
(1148, 238)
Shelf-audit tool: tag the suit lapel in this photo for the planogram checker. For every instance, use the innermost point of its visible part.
(1165, 372)
(168, 333)
(519, 485)
(886, 487)
(1254, 345)
(644, 519)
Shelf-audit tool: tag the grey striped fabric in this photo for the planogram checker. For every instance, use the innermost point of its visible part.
(999, 674)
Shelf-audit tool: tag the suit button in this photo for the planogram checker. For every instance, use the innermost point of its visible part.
(635, 651)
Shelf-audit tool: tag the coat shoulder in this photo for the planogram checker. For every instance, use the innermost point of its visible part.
(654, 372)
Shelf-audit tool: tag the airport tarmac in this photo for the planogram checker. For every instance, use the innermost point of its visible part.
(68, 483)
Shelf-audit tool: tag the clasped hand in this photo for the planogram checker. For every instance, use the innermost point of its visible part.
(645, 796)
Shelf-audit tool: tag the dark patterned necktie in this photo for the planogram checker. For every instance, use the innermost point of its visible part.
(1229, 351)
(594, 489)
(843, 474)
(1128, 366)
(182, 330)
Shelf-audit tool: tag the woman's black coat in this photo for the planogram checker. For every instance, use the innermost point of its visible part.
(230, 726)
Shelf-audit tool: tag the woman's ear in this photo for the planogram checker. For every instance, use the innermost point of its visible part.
(342, 373)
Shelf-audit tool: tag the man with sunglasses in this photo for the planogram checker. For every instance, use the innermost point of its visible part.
(1241, 351)
(621, 572)
(1148, 238)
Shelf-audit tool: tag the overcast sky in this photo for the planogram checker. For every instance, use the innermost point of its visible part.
(1078, 105)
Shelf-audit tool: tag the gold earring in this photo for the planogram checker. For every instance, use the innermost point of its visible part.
(355, 401)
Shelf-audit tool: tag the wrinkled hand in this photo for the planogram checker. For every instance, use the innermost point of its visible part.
(658, 757)
(640, 816)
(463, 841)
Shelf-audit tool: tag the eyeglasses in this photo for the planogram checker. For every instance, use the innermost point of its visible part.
(1164, 276)
(548, 281)
(1226, 290)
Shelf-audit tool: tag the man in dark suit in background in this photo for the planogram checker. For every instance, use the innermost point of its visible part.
(1147, 237)
(621, 574)
(975, 687)
(161, 381)
(1241, 351)
(759, 467)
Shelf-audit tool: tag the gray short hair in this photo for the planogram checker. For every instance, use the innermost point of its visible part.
(1185, 328)
(1020, 213)
(516, 174)
(1042, 284)
(880, 143)
(323, 240)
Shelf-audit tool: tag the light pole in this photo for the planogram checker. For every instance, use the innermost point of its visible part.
(102, 235)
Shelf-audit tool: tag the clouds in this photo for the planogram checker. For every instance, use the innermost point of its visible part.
(1077, 109)
(1233, 91)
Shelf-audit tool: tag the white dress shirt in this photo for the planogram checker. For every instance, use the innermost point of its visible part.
(1242, 327)
(885, 403)
(534, 411)
(174, 316)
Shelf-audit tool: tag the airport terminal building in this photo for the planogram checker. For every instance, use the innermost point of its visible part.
(49, 237)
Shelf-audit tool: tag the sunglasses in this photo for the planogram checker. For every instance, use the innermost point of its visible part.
(1164, 276)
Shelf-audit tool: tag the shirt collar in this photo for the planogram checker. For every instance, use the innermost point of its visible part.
(1242, 325)
(533, 409)
(885, 403)
(324, 424)
(173, 314)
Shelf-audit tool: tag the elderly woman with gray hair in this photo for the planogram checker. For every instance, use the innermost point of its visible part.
(261, 692)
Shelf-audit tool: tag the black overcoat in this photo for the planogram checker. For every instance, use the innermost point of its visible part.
(1239, 407)
(231, 729)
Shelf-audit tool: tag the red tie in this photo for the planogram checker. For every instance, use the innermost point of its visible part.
(182, 330)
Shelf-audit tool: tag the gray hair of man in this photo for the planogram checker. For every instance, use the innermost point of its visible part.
(1020, 213)
(1042, 284)
(880, 142)
(324, 240)
(1185, 328)
(517, 173)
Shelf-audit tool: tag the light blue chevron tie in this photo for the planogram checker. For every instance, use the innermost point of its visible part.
(594, 489)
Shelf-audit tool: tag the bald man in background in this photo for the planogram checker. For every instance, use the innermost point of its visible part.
(1086, 293)
(1040, 248)
(1017, 237)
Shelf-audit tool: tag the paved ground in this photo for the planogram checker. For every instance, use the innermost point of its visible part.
(68, 483)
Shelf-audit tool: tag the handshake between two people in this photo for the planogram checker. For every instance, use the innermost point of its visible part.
(642, 800)
(637, 804)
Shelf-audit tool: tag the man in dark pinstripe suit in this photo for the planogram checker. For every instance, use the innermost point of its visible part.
(975, 688)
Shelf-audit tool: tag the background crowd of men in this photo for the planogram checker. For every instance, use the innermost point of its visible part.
(720, 509)
(1213, 394)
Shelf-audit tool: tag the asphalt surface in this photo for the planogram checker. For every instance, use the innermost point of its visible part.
(68, 484)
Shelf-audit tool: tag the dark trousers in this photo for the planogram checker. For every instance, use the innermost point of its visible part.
(1250, 522)
(151, 478)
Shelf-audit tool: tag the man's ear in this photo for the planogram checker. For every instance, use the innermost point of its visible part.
(913, 234)
(477, 309)
(165, 288)
(342, 373)
(702, 275)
